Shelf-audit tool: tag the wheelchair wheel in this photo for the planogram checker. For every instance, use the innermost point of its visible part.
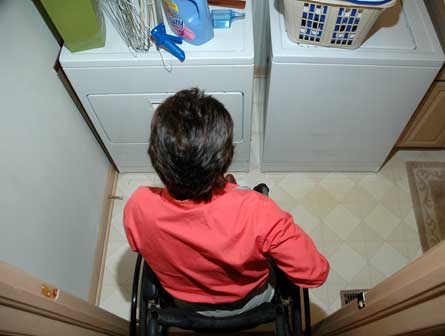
(154, 328)
(164, 331)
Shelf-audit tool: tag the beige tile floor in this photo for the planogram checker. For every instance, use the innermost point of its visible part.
(363, 222)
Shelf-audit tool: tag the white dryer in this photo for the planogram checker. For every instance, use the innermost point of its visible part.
(120, 91)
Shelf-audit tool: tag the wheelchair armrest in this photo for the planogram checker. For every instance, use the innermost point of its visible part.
(262, 188)
(287, 290)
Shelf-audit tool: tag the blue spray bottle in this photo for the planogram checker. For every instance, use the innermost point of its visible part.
(190, 19)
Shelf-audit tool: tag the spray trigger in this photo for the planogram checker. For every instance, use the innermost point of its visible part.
(168, 42)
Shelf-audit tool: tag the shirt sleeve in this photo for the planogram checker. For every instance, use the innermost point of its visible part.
(292, 250)
(130, 225)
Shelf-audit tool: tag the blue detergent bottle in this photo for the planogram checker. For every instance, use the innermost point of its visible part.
(222, 18)
(190, 19)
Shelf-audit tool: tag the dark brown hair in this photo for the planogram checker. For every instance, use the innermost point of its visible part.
(191, 144)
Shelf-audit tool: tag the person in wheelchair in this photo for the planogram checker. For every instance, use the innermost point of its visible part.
(209, 241)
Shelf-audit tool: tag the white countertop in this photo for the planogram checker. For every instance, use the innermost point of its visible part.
(229, 46)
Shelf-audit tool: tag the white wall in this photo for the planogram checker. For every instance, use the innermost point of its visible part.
(52, 171)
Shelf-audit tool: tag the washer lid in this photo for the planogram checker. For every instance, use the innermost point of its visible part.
(391, 31)
(403, 35)
(229, 46)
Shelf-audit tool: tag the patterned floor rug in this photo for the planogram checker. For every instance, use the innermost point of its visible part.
(427, 185)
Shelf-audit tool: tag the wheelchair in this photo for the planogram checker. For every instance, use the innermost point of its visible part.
(157, 311)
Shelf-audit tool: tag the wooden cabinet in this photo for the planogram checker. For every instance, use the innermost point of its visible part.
(427, 128)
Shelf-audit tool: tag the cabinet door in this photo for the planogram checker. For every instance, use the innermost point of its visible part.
(126, 118)
(123, 122)
(427, 129)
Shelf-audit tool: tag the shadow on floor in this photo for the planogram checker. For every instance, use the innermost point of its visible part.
(125, 271)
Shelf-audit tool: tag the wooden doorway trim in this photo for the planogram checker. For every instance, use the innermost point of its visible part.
(409, 301)
(102, 237)
(29, 306)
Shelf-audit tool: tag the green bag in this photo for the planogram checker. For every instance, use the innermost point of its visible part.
(79, 22)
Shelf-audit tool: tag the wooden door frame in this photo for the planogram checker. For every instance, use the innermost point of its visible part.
(411, 301)
(103, 237)
(29, 306)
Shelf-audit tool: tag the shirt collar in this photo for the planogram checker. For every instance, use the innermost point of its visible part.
(190, 204)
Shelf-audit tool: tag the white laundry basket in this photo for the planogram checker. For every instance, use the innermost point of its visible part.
(332, 23)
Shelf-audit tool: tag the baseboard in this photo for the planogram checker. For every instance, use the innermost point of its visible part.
(102, 238)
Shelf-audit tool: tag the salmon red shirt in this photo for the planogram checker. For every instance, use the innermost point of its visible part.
(217, 251)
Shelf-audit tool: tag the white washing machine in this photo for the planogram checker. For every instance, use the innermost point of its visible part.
(343, 110)
(120, 91)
